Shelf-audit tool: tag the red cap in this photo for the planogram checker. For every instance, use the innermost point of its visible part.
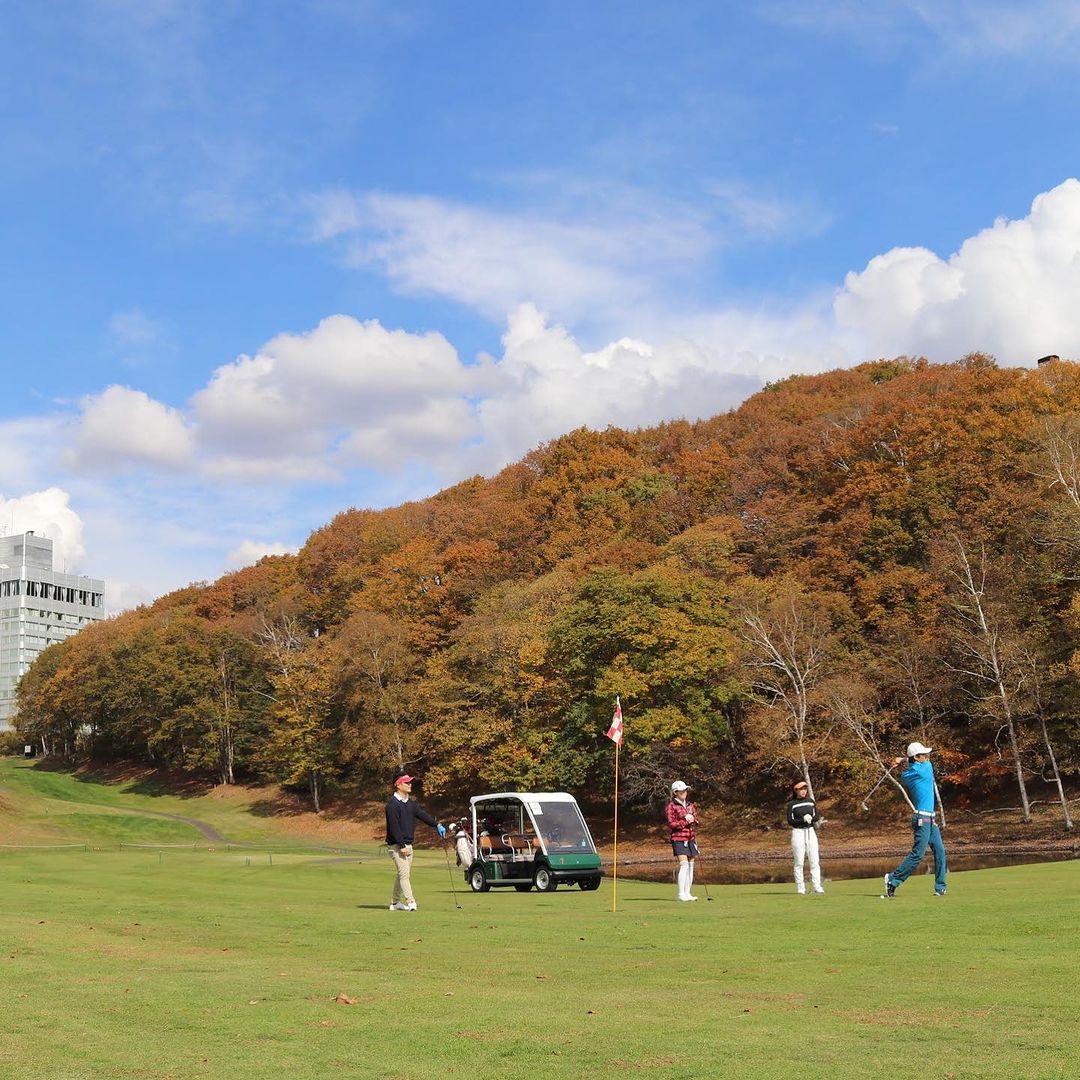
(406, 779)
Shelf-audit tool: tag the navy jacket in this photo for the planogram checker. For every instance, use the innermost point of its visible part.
(401, 820)
(797, 809)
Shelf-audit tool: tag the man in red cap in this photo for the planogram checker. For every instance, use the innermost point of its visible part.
(401, 815)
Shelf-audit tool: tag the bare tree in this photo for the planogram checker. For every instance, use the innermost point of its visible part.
(1035, 683)
(914, 666)
(850, 712)
(983, 653)
(225, 729)
(1057, 462)
(789, 650)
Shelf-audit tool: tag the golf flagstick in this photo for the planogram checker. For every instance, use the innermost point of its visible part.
(615, 734)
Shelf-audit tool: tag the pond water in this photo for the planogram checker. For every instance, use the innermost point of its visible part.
(718, 872)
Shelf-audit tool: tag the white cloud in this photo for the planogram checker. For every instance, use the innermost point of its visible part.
(593, 267)
(124, 428)
(27, 447)
(47, 513)
(1036, 30)
(350, 395)
(249, 552)
(548, 385)
(1003, 27)
(134, 329)
(396, 414)
(1011, 291)
(373, 394)
(136, 338)
(766, 217)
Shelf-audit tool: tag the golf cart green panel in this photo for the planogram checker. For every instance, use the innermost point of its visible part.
(531, 838)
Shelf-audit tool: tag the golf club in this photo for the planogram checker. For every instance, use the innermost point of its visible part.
(866, 798)
(450, 871)
(705, 885)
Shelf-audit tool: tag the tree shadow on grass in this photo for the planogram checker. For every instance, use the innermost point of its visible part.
(279, 804)
(131, 778)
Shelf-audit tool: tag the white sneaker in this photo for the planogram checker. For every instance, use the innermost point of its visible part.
(411, 905)
(801, 892)
(818, 889)
(397, 905)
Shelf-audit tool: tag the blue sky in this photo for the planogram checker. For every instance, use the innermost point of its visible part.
(260, 262)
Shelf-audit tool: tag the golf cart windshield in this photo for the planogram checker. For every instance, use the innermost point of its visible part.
(560, 825)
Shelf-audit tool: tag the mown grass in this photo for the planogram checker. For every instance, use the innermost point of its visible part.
(194, 964)
(56, 805)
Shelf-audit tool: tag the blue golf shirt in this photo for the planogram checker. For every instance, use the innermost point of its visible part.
(918, 778)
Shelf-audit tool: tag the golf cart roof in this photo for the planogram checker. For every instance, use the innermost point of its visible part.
(533, 796)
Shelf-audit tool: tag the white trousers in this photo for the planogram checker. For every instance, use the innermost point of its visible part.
(804, 846)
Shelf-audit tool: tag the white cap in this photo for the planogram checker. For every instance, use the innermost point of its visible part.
(914, 748)
(679, 786)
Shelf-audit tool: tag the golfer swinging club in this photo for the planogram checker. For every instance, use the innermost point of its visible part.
(802, 816)
(683, 819)
(918, 778)
(401, 815)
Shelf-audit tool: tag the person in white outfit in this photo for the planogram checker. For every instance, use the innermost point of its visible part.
(802, 816)
(683, 820)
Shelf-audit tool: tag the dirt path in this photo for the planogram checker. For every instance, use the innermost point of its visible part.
(204, 827)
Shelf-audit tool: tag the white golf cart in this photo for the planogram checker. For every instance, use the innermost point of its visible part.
(527, 839)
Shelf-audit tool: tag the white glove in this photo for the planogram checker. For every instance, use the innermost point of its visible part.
(808, 818)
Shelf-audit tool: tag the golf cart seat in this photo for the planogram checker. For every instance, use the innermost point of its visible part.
(495, 845)
(522, 846)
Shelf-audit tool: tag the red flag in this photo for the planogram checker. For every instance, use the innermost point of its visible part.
(614, 733)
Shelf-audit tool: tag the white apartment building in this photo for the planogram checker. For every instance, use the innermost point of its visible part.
(39, 606)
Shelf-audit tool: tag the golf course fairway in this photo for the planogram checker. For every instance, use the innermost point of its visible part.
(184, 963)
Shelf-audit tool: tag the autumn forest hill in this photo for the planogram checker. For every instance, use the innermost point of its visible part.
(845, 562)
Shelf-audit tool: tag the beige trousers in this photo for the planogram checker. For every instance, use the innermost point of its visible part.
(402, 885)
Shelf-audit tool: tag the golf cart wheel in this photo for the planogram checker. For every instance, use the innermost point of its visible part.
(477, 881)
(525, 886)
(590, 883)
(544, 880)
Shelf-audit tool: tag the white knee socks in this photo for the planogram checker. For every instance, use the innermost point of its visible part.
(685, 879)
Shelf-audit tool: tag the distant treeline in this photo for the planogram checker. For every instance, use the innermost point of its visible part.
(801, 585)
